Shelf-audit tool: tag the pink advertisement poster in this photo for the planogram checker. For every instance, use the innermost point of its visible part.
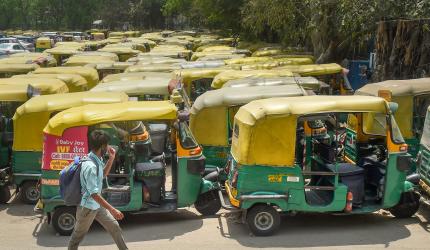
(59, 151)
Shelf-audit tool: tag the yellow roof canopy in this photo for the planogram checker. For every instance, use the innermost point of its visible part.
(14, 93)
(150, 86)
(46, 86)
(228, 75)
(38, 110)
(99, 113)
(314, 69)
(74, 82)
(409, 87)
(90, 74)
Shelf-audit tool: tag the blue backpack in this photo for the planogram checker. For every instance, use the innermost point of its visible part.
(70, 181)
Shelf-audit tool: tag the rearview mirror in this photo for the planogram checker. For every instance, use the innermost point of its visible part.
(393, 107)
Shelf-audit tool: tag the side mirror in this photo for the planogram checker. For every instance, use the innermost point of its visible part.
(393, 107)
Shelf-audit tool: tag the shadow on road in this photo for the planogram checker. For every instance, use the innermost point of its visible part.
(136, 228)
(323, 230)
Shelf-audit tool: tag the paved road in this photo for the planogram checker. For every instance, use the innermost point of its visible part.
(21, 229)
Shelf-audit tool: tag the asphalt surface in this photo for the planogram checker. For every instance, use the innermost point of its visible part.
(22, 229)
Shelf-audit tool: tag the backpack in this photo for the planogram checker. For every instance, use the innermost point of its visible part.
(70, 181)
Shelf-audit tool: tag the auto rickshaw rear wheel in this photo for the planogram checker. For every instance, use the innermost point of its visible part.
(29, 192)
(408, 205)
(4, 194)
(208, 203)
(263, 220)
(64, 220)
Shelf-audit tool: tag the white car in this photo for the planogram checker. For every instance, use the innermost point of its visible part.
(11, 48)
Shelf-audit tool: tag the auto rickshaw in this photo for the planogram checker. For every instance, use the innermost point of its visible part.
(423, 163)
(333, 74)
(148, 89)
(74, 82)
(43, 60)
(97, 36)
(62, 53)
(9, 70)
(11, 96)
(211, 117)
(227, 75)
(105, 69)
(45, 85)
(252, 63)
(82, 60)
(136, 183)
(134, 76)
(91, 75)
(123, 53)
(28, 140)
(413, 98)
(287, 156)
(307, 82)
(43, 43)
(195, 81)
(159, 67)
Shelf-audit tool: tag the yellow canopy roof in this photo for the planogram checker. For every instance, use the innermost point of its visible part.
(150, 86)
(314, 69)
(409, 87)
(120, 50)
(190, 75)
(262, 109)
(77, 60)
(228, 75)
(14, 93)
(109, 55)
(46, 86)
(211, 110)
(63, 50)
(307, 82)
(134, 76)
(39, 109)
(209, 48)
(27, 58)
(268, 127)
(100, 113)
(153, 68)
(90, 74)
(18, 68)
(74, 82)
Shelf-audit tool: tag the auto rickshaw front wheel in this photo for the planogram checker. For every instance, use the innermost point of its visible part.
(208, 203)
(64, 220)
(4, 194)
(408, 205)
(263, 220)
(29, 192)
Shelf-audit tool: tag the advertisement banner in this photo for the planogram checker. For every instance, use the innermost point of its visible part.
(59, 151)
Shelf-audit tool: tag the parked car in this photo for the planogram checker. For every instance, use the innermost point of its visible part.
(11, 48)
(27, 41)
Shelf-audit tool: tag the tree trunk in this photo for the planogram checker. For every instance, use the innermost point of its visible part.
(402, 49)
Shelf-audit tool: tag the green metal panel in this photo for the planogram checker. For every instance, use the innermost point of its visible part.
(26, 162)
(394, 182)
(424, 168)
(216, 156)
(350, 145)
(188, 184)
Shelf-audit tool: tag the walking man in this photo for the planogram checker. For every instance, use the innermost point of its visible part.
(93, 205)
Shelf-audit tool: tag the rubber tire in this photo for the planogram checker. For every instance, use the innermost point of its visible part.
(71, 211)
(208, 203)
(4, 194)
(24, 189)
(408, 205)
(256, 211)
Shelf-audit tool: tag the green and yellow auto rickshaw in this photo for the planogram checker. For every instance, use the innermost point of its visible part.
(42, 59)
(62, 53)
(28, 140)
(413, 98)
(82, 60)
(74, 82)
(195, 81)
(43, 43)
(11, 96)
(136, 183)
(227, 75)
(307, 82)
(333, 74)
(45, 85)
(423, 161)
(212, 114)
(148, 89)
(109, 68)
(287, 156)
(134, 76)
(9, 70)
(90, 74)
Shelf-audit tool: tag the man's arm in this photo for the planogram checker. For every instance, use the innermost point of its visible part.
(115, 212)
(109, 163)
